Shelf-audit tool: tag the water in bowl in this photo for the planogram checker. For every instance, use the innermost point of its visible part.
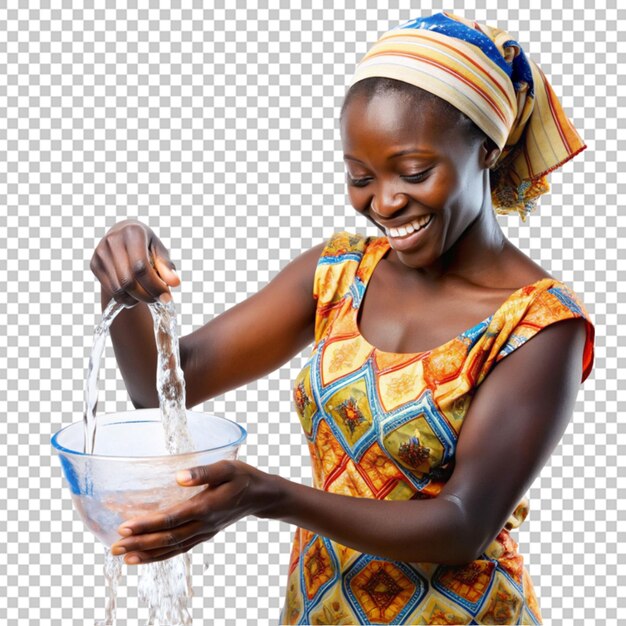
(164, 586)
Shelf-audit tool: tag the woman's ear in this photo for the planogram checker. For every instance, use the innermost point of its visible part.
(492, 152)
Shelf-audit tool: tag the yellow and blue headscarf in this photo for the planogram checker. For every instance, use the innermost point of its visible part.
(483, 72)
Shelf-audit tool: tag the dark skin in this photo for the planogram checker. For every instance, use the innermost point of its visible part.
(416, 300)
(466, 258)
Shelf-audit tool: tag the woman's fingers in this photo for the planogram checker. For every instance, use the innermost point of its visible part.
(126, 288)
(164, 539)
(213, 474)
(184, 513)
(133, 264)
(136, 275)
(161, 554)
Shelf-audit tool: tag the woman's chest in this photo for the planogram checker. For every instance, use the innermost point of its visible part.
(407, 318)
(379, 415)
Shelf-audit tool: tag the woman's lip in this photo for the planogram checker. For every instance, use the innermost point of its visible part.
(404, 243)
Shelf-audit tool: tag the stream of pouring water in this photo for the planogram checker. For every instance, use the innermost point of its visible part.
(164, 586)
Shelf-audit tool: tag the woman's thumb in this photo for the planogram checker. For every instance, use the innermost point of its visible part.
(166, 270)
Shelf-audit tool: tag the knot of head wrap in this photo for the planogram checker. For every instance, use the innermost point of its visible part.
(483, 72)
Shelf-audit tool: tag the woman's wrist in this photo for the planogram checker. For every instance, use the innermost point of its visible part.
(270, 496)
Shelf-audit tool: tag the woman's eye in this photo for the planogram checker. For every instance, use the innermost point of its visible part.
(416, 178)
(413, 178)
(358, 182)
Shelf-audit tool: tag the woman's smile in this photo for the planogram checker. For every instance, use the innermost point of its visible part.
(408, 227)
(408, 239)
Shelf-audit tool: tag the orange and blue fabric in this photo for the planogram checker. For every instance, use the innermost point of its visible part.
(483, 72)
(385, 425)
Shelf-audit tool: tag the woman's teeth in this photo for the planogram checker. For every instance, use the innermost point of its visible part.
(409, 228)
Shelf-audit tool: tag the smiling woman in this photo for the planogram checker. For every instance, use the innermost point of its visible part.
(445, 362)
(401, 399)
(443, 180)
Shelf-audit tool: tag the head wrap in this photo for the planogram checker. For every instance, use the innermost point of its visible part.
(483, 72)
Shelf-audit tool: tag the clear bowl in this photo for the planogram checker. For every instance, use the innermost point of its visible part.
(130, 473)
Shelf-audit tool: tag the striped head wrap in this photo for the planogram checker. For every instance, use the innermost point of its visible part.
(483, 72)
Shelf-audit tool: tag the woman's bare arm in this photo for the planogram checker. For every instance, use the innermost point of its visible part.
(134, 345)
(256, 336)
(242, 344)
(516, 419)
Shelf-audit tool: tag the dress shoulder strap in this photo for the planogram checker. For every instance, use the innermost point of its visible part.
(528, 312)
(335, 274)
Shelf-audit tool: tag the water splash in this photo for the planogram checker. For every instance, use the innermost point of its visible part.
(112, 575)
(170, 379)
(164, 586)
(91, 386)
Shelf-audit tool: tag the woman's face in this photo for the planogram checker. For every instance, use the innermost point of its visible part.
(426, 197)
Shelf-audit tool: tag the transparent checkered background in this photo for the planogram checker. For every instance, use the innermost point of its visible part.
(219, 129)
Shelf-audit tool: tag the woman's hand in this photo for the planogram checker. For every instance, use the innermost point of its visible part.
(133, 265)
(234, 490)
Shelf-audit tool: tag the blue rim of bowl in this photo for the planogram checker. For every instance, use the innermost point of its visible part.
(59, 448)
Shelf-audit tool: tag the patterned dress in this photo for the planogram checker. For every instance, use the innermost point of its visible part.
(384, 425)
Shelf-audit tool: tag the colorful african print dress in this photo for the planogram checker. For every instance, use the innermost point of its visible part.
(385, 425)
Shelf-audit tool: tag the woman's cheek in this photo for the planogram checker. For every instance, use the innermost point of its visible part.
(357, 199)
(438, 189)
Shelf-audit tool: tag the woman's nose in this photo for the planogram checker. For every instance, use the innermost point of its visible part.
(388, 204)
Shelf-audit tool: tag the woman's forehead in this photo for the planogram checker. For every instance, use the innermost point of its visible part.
(394, 120)
(392, 109)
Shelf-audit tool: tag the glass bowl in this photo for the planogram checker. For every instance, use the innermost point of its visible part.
(130, 473)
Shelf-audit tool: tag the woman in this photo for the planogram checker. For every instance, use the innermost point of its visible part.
(445, 124)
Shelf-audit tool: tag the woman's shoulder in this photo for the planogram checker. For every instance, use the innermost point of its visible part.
(537, 300)
(535, 307)
(517, 268)
(544, 294)
(541, 298)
